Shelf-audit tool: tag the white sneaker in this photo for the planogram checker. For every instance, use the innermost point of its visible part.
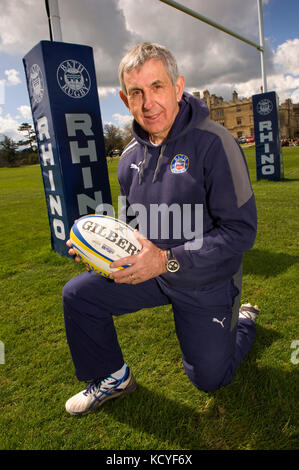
(248, 311)
(99, 391)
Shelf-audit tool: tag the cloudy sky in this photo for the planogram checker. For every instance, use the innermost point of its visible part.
(208, 58)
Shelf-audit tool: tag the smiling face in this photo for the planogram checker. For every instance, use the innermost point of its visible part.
(152, 98)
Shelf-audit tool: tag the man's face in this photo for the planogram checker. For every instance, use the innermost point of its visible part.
(152, 98)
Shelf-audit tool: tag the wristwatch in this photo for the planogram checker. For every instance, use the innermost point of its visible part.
(172, 265)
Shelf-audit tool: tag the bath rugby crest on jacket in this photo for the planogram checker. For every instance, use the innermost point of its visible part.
(99, 240)
(179, 164)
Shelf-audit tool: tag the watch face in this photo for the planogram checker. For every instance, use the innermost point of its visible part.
(172, 266)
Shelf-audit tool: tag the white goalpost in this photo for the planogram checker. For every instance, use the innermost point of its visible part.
(260, 47)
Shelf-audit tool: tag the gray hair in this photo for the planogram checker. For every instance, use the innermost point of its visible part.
(139, 54)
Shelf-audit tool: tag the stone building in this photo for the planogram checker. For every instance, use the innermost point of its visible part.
(289, 120)
(296, 114)
(237, 115)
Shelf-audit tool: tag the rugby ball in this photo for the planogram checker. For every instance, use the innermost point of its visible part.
(100, 239)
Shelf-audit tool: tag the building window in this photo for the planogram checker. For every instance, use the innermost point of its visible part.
(218, 114)
(239, 121)
(239, 109)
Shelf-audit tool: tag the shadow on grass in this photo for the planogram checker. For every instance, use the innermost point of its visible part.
(254, 411)
(289, 180)
(283, 180)
(266, 263)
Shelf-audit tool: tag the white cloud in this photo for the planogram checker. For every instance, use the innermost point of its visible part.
(282, 85)
(287, 57)
(208, 58)
(108, 123)
(283, 77)
(22, 24)
(295, 96)
(105, 91)
(2, 91)
(205, 54)
(285, 87)
(12, 77)
(9, 126)
(122, 119)
(25, 112)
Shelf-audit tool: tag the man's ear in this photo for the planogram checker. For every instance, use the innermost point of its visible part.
(180, 86)
(124, 98)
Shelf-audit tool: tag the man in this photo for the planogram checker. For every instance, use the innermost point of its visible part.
(179, 158)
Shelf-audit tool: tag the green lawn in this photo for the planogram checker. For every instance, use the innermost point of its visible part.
(256, 411)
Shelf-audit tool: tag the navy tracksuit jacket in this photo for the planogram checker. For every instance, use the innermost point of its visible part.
(199, 165)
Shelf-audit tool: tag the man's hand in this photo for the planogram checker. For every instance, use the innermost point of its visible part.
(72, 252)
(148, 263)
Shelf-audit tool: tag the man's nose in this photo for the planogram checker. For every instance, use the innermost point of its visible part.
(147, 100)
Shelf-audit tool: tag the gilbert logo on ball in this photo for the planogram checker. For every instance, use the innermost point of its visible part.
(99, 240)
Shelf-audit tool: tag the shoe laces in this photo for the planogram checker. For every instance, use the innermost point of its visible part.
(249, 311)
(100, 385)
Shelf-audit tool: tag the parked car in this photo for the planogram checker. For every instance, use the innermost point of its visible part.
(242, 140)
(249, 140)
(116, 153)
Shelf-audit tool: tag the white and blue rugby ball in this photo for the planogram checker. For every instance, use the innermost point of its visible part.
(100, 239)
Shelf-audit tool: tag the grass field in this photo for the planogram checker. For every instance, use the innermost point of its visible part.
(258, 410)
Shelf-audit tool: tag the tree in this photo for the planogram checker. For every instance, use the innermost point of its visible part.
(113, 138)
(8, 151)
(127, 133)
(30, 136)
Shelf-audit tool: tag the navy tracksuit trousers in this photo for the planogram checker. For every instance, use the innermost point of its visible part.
(212, 341)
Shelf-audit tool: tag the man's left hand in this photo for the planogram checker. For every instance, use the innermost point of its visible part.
(148, 263)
